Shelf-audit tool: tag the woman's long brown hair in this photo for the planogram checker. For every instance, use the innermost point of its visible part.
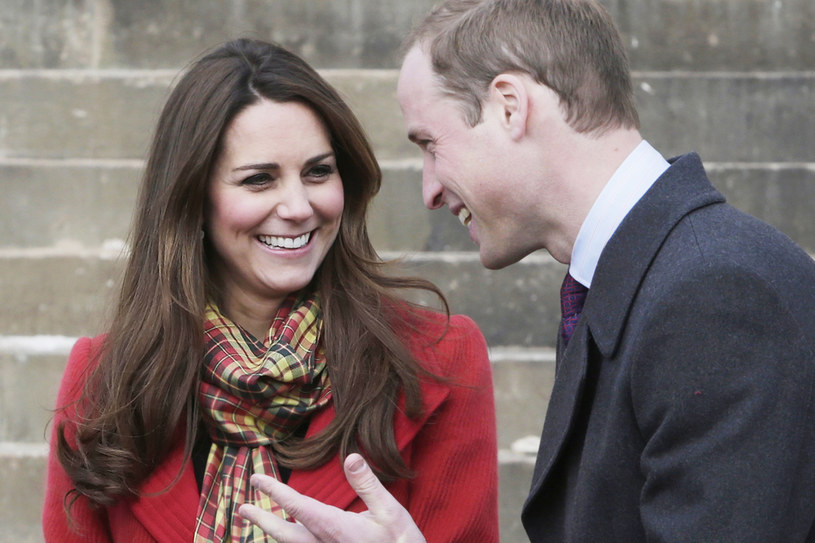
(142, 390)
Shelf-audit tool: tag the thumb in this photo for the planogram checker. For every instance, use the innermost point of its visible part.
(368, 487)
(383, 507)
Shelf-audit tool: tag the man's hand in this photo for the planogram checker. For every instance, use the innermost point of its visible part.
(385, 521)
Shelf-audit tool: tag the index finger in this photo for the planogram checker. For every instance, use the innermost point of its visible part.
(317, 517)
(281, 530)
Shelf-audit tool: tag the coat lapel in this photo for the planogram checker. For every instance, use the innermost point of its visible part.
(566, 393)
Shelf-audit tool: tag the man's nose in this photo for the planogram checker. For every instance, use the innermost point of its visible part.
(432, 190)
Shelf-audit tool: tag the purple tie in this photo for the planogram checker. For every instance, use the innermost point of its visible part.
(572, 296)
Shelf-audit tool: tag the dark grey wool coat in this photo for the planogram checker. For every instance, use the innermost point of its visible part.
(682, 408)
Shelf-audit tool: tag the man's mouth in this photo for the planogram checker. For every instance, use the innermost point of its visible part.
(464, 216)
(283, 242)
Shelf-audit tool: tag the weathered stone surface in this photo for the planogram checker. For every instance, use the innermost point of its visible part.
(21, 499)
(782, 195)
(70, 296)
(523, 385)
(28, 390)
(726, 118)
(515, 478)
(61, 203)
(705, 35)
(81, 115)
(67, 296)
(48, 34)
(729, 118)
(518, 305)
(660, 34)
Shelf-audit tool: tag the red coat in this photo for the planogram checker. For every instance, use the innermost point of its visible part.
(452, 450)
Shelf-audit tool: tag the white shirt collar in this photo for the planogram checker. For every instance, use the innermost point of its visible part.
(624, 189)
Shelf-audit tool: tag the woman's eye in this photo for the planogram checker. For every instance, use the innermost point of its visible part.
(257, 180)
(321, 171)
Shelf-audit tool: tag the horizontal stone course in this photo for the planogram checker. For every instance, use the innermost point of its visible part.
(726, 117)
(71, 295)
(522, 384)
(660, 34)
(90, 204)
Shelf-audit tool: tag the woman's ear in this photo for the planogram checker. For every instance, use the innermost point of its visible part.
(510, 97)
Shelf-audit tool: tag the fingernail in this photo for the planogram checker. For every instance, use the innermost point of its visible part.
(357, 465)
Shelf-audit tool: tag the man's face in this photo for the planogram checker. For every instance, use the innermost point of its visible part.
(471, 170)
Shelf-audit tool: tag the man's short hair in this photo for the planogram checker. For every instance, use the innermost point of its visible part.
(571, 46)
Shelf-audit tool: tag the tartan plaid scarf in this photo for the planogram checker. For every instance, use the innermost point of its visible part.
(251, 396)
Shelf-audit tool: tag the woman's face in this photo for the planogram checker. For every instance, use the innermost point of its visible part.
(275, 201)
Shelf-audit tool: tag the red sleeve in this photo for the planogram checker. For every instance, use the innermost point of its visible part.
(454, 498)
(87, 525)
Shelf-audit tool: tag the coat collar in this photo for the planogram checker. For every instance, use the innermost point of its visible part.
(683, 188)
(169, 516)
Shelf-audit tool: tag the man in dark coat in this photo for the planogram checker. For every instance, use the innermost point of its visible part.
(683, 404)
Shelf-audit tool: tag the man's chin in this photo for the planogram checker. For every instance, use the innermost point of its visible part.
(496, 260)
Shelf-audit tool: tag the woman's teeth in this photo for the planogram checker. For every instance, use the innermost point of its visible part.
(464, 216)
(280, 242)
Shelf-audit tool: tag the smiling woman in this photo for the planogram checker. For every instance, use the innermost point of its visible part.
(275, 204)
(277, 343)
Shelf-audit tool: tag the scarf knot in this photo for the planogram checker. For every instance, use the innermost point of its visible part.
(254, 394)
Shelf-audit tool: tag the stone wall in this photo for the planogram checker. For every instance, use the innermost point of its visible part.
(81, 82)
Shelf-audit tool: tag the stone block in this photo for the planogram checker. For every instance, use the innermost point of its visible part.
(89, 204)
(170, 33)
(713, 35)
(399, 221)
(727, 118)
(50, 34)
(515, 306)
(779, 194)
(61, 203)
(56, 295)
(660, 34)
(515, 478)
(23, 476)
(372, 97)
(79, 114)
(523, 381)
(71, 295)
(28, 392)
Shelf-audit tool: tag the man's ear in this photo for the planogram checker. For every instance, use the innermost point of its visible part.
(509, 95)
